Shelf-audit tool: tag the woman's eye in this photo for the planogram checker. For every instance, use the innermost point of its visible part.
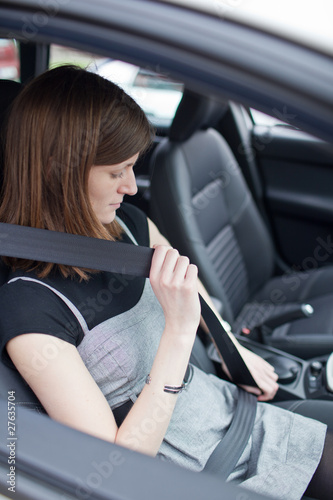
(117, 176)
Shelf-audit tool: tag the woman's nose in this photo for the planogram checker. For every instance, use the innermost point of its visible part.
(128, 186)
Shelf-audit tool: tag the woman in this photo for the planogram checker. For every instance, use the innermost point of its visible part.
(87, 341)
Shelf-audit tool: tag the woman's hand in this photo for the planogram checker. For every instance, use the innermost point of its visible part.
(175, 284)
(262, 372)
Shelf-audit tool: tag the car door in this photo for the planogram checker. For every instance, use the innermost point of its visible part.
(296, 173)
(290, 174)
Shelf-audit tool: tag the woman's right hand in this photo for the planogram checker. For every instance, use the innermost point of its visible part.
(175, 284)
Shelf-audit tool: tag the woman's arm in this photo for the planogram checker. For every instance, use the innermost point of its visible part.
(68, 392)
(62, 383)
(262, 372)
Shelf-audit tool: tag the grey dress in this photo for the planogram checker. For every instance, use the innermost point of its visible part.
(284, 449)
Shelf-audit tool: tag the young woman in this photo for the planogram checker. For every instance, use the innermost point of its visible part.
(86, 341)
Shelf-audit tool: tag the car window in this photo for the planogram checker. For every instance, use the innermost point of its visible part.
(65, 55)
(149, 79)
(156, 93)
(9, 60)
(281, 118)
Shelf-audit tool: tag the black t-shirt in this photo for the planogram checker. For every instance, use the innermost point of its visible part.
(29, 307)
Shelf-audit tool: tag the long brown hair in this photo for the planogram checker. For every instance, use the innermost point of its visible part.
(61, 124)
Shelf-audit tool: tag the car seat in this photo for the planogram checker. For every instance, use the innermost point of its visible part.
(201, 203)
(8, 91)
(10, 378)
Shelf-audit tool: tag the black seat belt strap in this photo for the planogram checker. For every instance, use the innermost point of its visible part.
(227, 453)
(116, 257)
(225, 347)
(72, 250)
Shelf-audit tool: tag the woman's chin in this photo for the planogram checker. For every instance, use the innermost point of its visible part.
(108, 219)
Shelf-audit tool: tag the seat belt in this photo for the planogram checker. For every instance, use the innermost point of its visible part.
(122, 258)
(227, 453)
(111, 256)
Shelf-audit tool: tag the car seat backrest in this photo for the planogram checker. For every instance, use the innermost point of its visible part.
(9, 378)
(201, 202)
(8, 91)
(4, 271)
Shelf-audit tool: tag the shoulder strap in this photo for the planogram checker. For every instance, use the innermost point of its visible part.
(111, 256)
(127, 231)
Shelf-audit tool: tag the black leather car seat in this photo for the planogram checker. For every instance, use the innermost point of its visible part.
(10, 379)
(8, 91)
(200, 201)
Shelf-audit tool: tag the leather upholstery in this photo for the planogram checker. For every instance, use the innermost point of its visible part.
(8, 91)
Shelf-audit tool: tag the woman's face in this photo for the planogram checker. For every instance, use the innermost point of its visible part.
(107, 185)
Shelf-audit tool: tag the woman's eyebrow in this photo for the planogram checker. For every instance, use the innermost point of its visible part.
(131, 164)
(121, 167)
(115, 168)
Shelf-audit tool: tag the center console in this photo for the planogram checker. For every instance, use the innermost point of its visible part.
(298, 378)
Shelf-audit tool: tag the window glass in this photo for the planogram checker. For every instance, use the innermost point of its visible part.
(260, 118)
(9, 60)
(149, 79)
(64, 55)
(157, 94)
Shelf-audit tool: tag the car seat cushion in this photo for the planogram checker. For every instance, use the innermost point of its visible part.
(297, 286)
(317, 409)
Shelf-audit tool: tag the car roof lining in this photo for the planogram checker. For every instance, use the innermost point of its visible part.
(251, 73)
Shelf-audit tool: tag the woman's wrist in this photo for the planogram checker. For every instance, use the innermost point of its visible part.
(181, 337)
(172, 358)
(170, 389)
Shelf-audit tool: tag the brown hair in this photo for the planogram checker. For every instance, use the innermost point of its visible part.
(61, 124)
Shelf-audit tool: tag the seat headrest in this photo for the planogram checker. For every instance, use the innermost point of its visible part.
(195, 112)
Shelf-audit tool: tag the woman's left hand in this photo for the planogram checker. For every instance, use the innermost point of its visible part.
(262, 372)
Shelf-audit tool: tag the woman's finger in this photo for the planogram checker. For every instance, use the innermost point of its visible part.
(158, 260)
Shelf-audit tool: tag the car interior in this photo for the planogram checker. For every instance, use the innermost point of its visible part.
(209, 198)
(250, 205)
